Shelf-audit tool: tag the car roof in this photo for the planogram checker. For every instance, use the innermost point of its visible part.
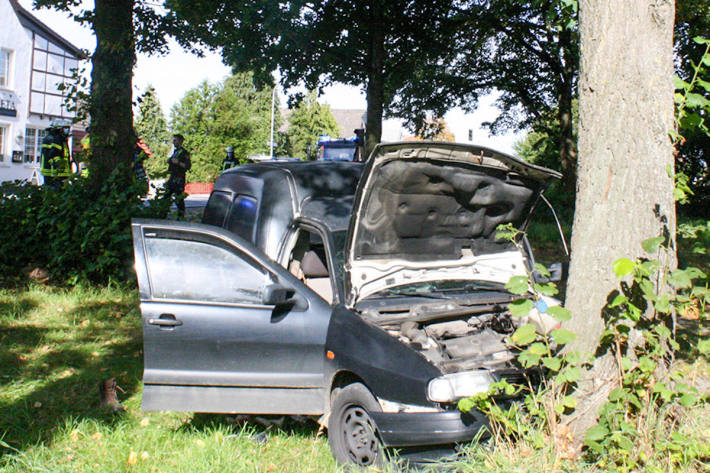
(310, 181)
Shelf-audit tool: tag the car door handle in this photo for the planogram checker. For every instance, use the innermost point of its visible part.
(166, 320)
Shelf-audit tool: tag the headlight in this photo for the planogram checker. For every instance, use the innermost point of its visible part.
(455, 386)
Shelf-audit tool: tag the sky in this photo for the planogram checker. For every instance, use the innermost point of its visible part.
(179, 71)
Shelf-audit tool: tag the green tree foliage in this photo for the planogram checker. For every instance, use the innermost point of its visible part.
(152, 128)
(526, 51)
(362, 43)
(232, 113)
(693, 159)
(307, 122)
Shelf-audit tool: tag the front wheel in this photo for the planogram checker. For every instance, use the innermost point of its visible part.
(352, 433)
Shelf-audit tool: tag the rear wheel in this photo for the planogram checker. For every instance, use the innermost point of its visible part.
(352, 433)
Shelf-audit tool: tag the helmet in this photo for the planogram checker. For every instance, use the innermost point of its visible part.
(229, 149)
(59, 123)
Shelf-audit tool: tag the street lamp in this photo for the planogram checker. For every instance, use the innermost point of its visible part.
(271, 141)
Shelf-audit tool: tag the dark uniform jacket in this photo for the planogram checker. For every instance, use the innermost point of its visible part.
(55, 156)
(176, 181)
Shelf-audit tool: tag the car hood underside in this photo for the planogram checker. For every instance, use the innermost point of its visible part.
(425, 202)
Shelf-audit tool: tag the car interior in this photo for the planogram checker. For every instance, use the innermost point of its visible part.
(309, 263)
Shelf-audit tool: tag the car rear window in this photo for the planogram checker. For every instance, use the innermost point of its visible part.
(217, 208)
(243, 217)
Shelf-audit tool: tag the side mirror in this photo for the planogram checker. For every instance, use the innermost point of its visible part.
(278, 295)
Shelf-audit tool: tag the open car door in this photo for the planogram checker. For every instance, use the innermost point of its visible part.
(224, 328)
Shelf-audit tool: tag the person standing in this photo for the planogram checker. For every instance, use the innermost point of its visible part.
(55, 159)
(178, 165)
(230, 161)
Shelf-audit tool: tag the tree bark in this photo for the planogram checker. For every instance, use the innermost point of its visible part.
(375, 80)
(112, 135)
(624, 194)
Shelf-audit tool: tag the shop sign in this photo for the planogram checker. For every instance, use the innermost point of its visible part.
(8, 104)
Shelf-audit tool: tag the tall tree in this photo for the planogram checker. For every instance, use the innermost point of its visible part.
(232, 113)
(624, 193)
(358, 42)
(152, 128)
(121, 27)
(307, 122)
(525, 51)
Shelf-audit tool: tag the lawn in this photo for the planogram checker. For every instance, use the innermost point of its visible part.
(56, 345)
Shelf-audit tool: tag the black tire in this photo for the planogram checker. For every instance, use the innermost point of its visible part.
(352, 434)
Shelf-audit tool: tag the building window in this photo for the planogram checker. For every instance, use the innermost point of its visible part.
(33, 143)
(53, 69)
(3, 134)
(4, 68)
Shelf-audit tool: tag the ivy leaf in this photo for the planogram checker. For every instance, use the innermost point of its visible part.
(539, 348)
(696, 100)
(525, 334)
(547, 289)
(622, 267)
(562, 336)
(521, 307)
(663, 304)
(570, 402)
(646, 364)
(552, 363)
(518, 285)
(618, 300)
(541, 270)
(701, 40)
(528, 360)
(688, 399)
(651, 245)
(680, 279)
(596, 433)
(559, 313)
(679, 83)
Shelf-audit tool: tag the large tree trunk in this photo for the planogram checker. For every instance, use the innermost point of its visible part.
(623, 194)
(375, 80)
(112, 136)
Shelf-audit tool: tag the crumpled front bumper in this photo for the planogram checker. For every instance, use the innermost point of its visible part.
(407, 429)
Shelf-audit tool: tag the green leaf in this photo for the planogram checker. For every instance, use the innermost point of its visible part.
(520, 307)
(525, 334)
(552, 363)
(596, 433)
(680, 279)
(622, 267)
(704, 346)
(528, 360)
(618, 300)
(562, 336)
(688, 399)
(696, 100)
(701, 40)
(679, 83)
(539, 348)
(547, 289)
(541, 270)
(570, 402)
(518, 285)
(466, 404)
(617, 394)
(559, 313)
(646, 364)
(663, 304)
(651, 245)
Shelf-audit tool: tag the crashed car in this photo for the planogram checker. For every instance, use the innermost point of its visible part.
(368, 294)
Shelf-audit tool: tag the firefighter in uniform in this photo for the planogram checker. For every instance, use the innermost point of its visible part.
(56, 160)
(178, 165)
(230, 161)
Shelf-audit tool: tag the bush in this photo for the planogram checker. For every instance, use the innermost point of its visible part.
(76, 232)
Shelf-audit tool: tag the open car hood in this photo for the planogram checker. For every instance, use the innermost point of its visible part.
(427, 211)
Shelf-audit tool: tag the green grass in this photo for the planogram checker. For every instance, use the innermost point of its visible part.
(56, 345)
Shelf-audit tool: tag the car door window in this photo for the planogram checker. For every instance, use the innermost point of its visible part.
(200, 271)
